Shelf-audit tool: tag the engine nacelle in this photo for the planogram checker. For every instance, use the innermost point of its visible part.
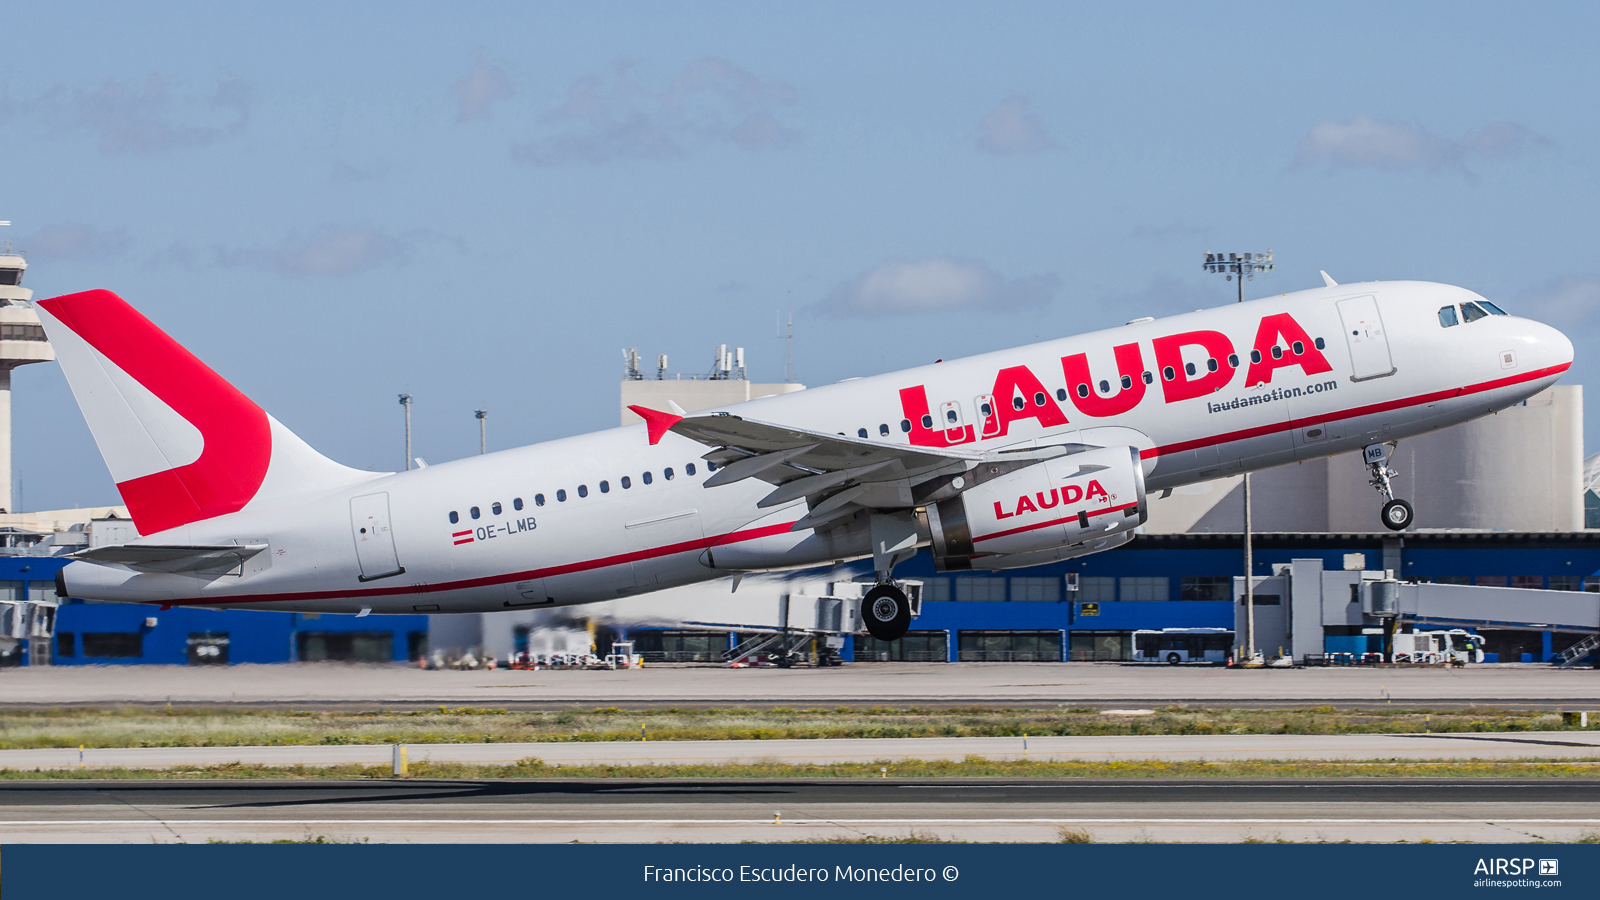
(1063, 507)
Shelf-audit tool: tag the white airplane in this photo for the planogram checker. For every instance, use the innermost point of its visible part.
(1007, 459)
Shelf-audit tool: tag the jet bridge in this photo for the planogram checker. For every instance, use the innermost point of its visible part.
(1308, 611)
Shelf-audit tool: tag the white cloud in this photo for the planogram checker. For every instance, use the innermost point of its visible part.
(618, 117)
(478, 90)
(1568, 300)
(146, 116)
(76, 241)
(941, 284)
(1375, 143)
(1012, 128)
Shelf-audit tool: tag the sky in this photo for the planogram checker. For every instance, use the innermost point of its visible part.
(483, 204)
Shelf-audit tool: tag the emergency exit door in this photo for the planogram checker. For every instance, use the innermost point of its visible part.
(369, 525)
(1364, 334)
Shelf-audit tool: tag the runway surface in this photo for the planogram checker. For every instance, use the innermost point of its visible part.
(335, 685)
(1519, 745)
(1376, 810)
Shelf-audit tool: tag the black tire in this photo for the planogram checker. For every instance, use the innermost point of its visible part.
(1173, 659)
(886, 612)
(1397, 515)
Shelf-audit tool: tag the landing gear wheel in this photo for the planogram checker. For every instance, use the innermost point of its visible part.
(1397, 515)
(887, 612)
(1173, 659)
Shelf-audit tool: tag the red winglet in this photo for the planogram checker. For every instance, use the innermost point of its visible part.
(656, 421)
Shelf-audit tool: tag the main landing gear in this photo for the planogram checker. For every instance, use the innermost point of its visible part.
(1396, 514)
(887, 612)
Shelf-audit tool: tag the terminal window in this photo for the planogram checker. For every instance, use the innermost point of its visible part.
(1145, 587)
(1010, 646)
(935, 589)
(1036, 589)
(915, 646)
(1491, 581)
(1566, 582)
(1099, 646)
(1206, 587)
(1529, 582)
(113, 644)
(1096, 589)
(978, 587)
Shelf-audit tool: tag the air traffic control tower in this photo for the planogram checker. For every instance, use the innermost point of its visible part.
(22, 341)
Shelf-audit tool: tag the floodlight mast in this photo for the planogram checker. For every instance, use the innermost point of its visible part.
(1242, 266)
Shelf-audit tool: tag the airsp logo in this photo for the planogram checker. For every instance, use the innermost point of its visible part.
(1549, 867)
(1516, 867)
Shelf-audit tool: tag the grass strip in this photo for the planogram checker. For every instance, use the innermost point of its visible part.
(971, 767)
(191, 727)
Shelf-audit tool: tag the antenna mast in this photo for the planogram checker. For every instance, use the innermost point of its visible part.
(788, 347)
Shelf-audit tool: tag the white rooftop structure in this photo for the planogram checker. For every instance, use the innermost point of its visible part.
(22, 341)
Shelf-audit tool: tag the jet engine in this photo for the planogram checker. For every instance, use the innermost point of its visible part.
(1056, 509)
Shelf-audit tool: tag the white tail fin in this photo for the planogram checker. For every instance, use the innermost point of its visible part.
(182, 444)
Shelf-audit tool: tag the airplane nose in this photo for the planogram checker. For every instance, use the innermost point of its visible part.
(1555, 345)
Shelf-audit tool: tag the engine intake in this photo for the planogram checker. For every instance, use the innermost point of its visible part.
(1069, 503)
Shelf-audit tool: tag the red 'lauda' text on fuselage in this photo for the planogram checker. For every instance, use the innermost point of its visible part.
(1211, 363)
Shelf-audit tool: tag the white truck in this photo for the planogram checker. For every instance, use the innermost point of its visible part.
(1453, 646)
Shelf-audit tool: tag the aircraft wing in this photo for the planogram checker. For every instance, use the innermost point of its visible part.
(170, 558)
(836, 474)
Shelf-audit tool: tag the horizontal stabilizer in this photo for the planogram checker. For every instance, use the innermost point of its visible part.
(170, 557)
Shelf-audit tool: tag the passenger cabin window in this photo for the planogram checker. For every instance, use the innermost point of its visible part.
(583, 490)
(1277, 352)
(861, 432)
(1472, 312)
(905, 425)
(667, 473)
(1127, 382)
(605, 487)
(1299, 348)
(1447, 317)
(1039, 398)
(538, 499)
(1495, 310)
(1255, 356)
(454, 517)
(561, 495)
(1211, 365)
(1105, 386)
(710, 466)
(1061, 394)
(494, 508)
(1233, 360)
(474, 512)
(647, 477)
(1083, 390)
(1189, 368)
(883, 430)
(1168, 373)
(927, 421)
(1018, 403)
(689, 469)
(626, 482)
(950, 416)
(517, 503)
(1321, 344)
(1148, 378)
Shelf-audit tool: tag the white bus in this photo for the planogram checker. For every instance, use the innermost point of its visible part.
(1181, 645)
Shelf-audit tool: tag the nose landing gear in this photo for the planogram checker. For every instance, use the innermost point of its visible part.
(1396, 514)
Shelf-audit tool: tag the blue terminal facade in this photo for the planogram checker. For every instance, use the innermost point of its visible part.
(127, 633)
(1185, 581)
(1156, 581)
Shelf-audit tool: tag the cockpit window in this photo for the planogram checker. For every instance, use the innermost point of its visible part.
(1492, 308)
(1447, 317)
(1472, 312)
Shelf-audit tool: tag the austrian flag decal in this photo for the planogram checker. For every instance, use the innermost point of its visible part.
(463, 537)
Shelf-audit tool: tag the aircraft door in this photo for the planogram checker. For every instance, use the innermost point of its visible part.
(369, 525)
(988, 417)
(1364, 333)
(950, 414)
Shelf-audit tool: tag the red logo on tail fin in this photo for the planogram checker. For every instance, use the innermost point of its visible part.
(238, 438)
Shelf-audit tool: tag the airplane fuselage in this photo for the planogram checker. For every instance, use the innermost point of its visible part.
(598, 516)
